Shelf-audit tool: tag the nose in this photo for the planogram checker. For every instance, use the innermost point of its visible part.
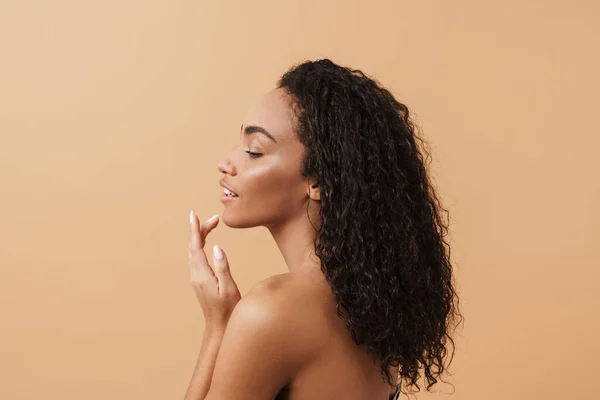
(225, 166)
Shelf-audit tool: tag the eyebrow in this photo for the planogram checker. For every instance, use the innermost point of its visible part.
(250, 129)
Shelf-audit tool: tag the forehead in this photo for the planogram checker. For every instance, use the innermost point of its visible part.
(273, 112)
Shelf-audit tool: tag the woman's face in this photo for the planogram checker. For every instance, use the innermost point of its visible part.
(264, 168)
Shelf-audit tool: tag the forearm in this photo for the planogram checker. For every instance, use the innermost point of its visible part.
(200, 382)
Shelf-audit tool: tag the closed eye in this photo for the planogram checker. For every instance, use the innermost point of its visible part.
(253, 155)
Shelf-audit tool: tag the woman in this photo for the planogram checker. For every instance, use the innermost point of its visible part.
(329, 163)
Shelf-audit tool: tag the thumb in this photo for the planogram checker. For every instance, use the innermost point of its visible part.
(221, 268)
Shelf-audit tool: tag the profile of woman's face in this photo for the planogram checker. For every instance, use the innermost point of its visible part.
(264, 167)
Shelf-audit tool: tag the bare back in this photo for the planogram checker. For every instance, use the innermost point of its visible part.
(340, 369)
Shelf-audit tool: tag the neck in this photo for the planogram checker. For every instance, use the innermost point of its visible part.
(295, 239)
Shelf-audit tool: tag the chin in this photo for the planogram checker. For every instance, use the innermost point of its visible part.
(237, 223)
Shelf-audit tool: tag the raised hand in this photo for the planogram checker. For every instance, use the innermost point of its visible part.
(215, 288)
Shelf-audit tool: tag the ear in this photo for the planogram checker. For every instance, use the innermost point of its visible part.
(313, 190)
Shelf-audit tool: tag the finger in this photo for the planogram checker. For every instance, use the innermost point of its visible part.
(222, 271)
(208, 226)
(200, 231)
(195, 233)
(200, 271)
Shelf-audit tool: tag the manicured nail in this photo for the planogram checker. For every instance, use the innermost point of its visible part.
(217, 252)
(192, 217)
(211, 219)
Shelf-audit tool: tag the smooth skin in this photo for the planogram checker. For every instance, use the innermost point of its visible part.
(285, 331)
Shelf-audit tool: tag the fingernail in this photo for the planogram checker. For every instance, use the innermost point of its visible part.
(217, 252)
(192, 217)
(211, 219)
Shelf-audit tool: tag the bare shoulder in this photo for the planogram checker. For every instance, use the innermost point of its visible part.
(269, 328)
(297, 304)
(271, 283)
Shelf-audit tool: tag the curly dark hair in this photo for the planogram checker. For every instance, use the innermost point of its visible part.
(382, 239)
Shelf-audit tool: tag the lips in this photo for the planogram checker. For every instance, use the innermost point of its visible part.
(229, 193)
(222, 183)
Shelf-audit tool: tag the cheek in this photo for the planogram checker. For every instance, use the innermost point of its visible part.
(271, 184)
(263, 180)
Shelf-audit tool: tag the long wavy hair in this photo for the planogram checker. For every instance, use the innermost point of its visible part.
(381, 241)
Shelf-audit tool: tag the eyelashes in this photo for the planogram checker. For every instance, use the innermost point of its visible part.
(252, 154)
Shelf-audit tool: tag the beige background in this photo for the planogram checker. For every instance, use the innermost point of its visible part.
(114, 114)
